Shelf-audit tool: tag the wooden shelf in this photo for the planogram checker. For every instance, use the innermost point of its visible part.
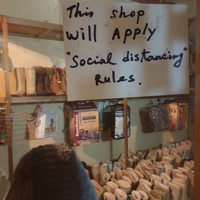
(32, 29)
(35, 99)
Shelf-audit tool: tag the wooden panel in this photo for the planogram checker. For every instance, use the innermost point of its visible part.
(7, 98)
(197, 107)
(38, 99)
(33, 29)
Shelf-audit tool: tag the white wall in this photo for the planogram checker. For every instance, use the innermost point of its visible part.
(30, 52)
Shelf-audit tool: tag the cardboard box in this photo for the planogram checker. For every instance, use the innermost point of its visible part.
(182, 115)
(83, 121)
(173, 112)
(179, 114)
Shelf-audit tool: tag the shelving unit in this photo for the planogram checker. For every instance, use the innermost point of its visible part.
(32, 29)
(42, 30)
(34, 99)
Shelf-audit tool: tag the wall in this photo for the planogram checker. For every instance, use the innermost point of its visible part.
(30, 52)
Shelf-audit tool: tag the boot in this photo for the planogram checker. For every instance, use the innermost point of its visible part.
(96, 172)
(183, 186)
(40, 85)
(184, 179)
(125, 172)
(143, 186)
(30, 74)
(125, 186)
(154, 195)
(62, 79)
(103, 170)
(165, 151)
(108, 196)
(127, 179)
(165, 178)
(168, 168)
(163, 192)
(135, 195)
(98, 189)
(178, 161)
(168, 159)
(146, 182)
(175, 191)
(111, 186)
(133, 176)
(20, 76)
(118, 173)
(155, 179)
(190, 176)
(110, 167)
(106, 188)
(105, 178)
(188, 165)
(112, 175)
(158, 168)
(143, 194)
(120, 194)
(167, 189)
(175, 171)
(139, 174)
(47, 81)
(54, 85)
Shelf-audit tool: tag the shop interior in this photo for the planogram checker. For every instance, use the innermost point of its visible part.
(32, 40)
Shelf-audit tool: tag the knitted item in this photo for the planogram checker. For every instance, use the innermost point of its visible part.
(51, 172)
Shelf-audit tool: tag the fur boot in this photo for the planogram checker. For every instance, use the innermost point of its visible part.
(30, 74)
(40, 85)
(20, 77)
(62, 79)
(54, 85)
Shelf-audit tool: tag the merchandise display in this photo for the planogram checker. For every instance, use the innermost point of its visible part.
(41, 123)
(171, 115)
(178, 110)
(157, 174)
(165, 172)
(82, 119)
(113, 119)
(40, 81)
(154, 118)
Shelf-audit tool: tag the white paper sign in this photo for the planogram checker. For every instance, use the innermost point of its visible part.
(122, 50)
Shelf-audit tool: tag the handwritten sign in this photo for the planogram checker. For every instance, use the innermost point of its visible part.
(122, 50)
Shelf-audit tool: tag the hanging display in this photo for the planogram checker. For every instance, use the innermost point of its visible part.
(41, 123)
(83, 121)
(178, 110)
(155, 118)
(113, 119)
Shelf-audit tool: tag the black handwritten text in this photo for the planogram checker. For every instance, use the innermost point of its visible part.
(91, 61)
(112, 79)
(74, 11)
(122, 14)
(146, 55)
